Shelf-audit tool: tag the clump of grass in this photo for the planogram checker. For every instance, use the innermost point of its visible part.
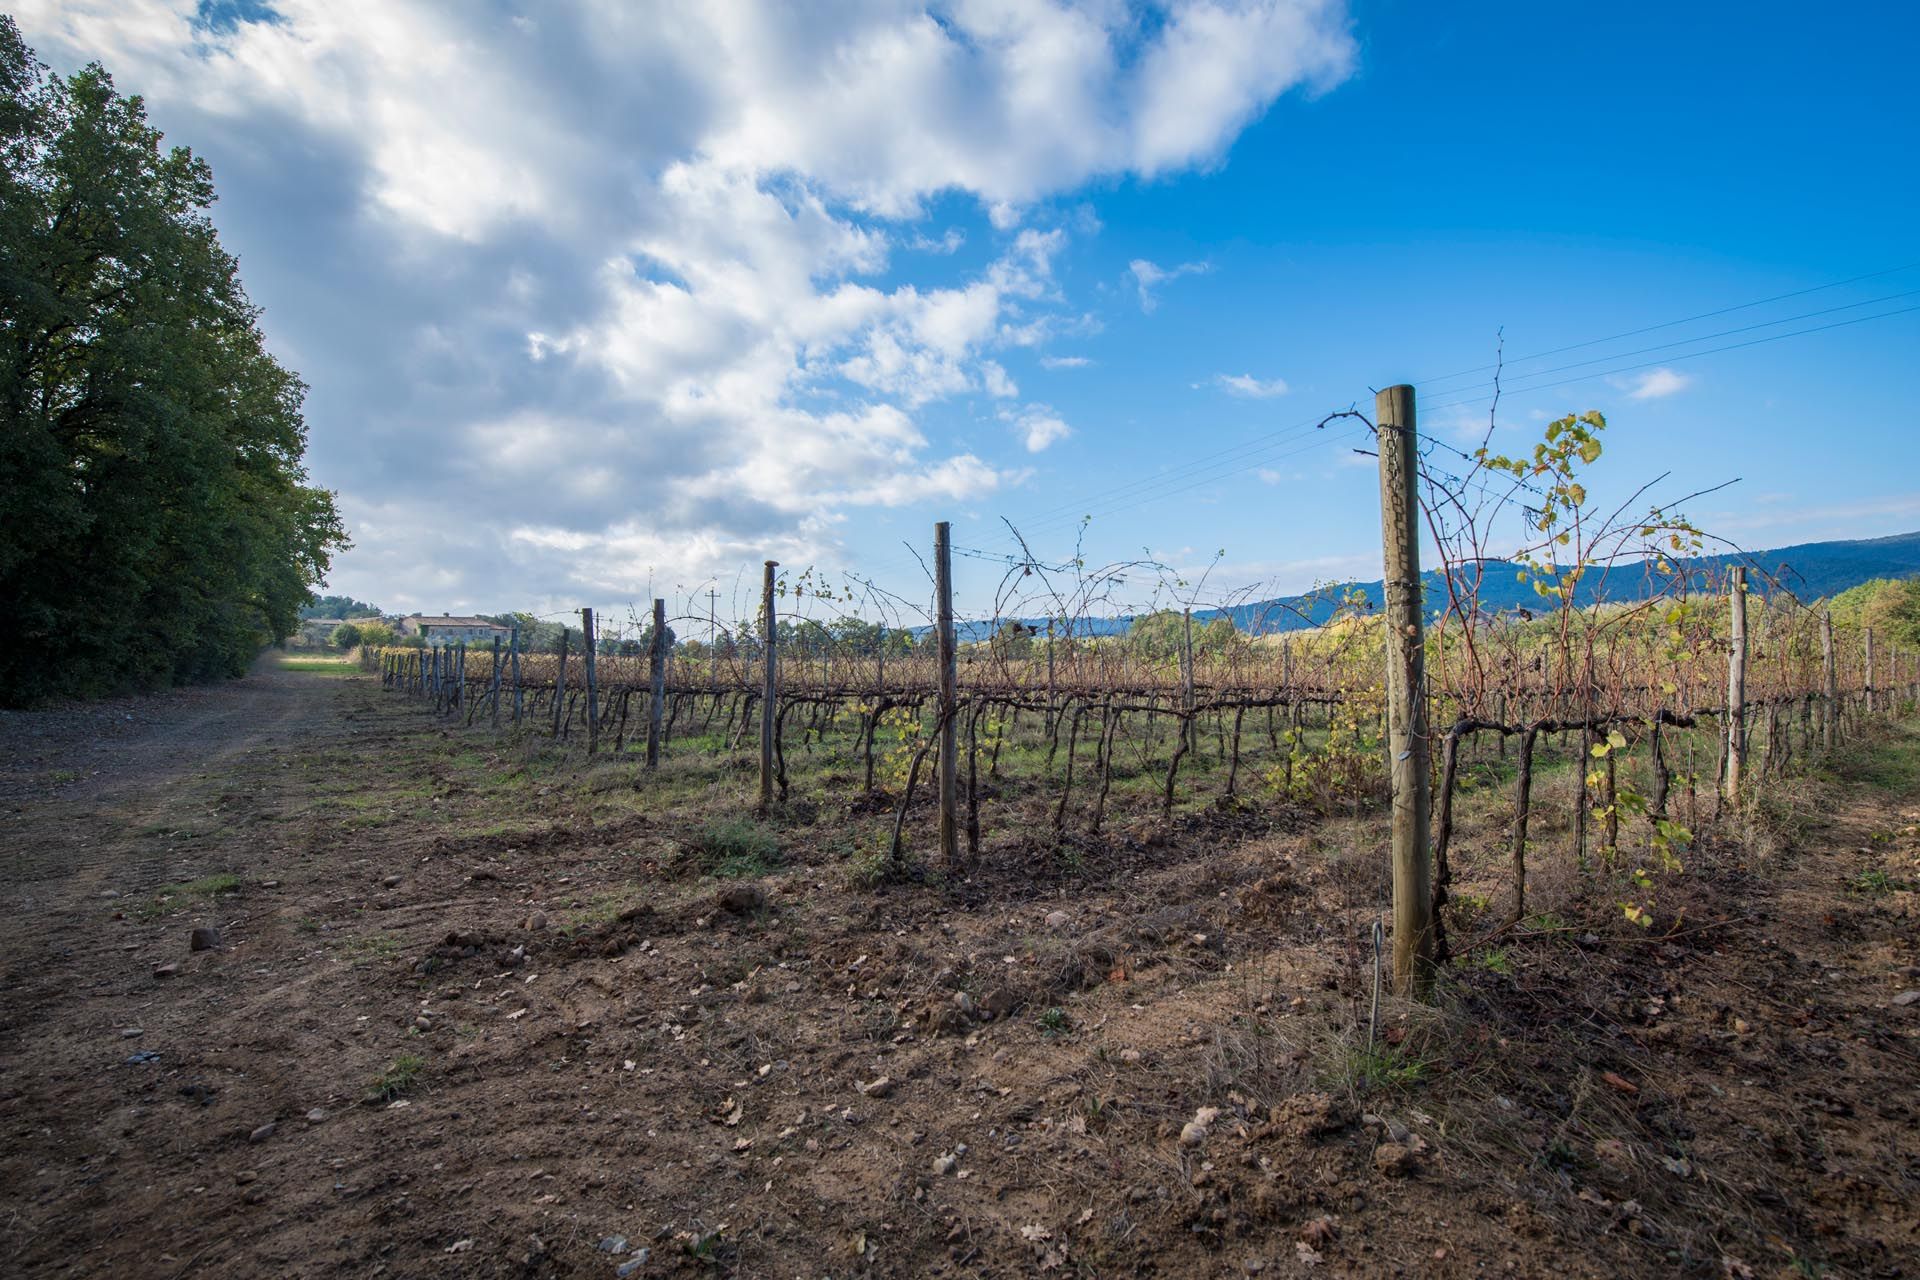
(1054, 1021)
(1372, 1068)
(209, 887)
(733, 847)
(1873, 883)
(401, 1075)
(1492, 959)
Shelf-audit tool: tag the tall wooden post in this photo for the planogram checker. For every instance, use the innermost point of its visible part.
(588, 645)
(1829, 723)
(1050, 682)
(1867, 639)
(770, 688)
(657, 681)
(949, 775)
(1736, 685)
(1406, 697)
(560, 682)
(496, 680)
(713, 639)
(1186, 680)
(513, 657)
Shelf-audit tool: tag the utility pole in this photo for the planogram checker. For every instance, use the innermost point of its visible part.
(949, 695)
(1406, 696)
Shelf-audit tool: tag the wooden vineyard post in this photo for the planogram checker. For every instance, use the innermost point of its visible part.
(769, 689)
(1186, 680)
(1409, 756)
(1736, 685)
(1047, 725)
(496, 680)
(513, 656)
(560, 683)
(1828, 724)
(1867, 640)
(657, 682)
(949, 776)
(587, 647)
(713, 639)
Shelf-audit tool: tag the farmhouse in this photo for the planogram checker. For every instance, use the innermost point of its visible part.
(438, 629)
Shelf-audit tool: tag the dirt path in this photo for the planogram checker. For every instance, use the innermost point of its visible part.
(462, 1023)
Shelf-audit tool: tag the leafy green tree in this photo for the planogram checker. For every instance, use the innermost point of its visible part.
(155, 521)
(375, 635)
(1160, 634)
(346, 636)
(1891, 606)
(339, 607)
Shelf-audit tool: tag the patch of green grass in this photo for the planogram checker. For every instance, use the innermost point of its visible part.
(1874, 883)
(319, 666)
(732, 847)
(1054, 1021)
(170, 896)
(1372, 1068)
(1491, 959)
(401, 1075)
(367, 947)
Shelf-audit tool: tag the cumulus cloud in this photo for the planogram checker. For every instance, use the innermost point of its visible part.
(1248, 387)
(591, 292)
(1148, 277)
(1654, 384)
(1064, 362)
(1037, 425)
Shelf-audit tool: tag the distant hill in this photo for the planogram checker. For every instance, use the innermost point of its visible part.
(1809, 570)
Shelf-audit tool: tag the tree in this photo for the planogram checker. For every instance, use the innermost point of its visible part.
(155, 521)
(346, 636)
(339, 607)
(375, 635)
(1891, 606)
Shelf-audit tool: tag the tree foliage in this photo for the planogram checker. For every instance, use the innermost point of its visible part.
(155, 521)
(1891, 606)
(338, 607)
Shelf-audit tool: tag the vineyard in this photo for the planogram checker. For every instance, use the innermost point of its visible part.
(1591, 738)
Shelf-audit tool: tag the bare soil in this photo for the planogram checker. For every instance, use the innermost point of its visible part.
(469, 1014)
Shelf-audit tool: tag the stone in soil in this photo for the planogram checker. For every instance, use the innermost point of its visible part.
(203, 939)
(264, 1132)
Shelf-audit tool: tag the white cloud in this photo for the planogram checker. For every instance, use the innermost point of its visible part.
(1249, 387)
(1037, 425)
(1064, 362)
(1148, 277)
(1654, 384)
(668, 260)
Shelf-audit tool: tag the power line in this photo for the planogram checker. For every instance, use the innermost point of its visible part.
(1668, 324)
(1676, 359)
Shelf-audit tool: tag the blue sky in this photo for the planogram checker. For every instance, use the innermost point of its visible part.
(599, 301)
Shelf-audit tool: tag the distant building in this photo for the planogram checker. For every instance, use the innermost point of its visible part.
(439, 629)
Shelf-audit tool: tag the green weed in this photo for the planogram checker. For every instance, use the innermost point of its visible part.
(401, 1075)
